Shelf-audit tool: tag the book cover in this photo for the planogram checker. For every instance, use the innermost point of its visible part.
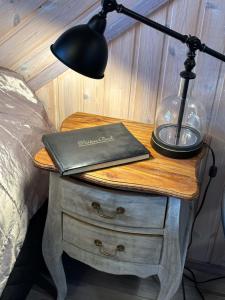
(93, 148)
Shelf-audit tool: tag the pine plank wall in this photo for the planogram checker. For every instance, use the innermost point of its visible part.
(143, 68)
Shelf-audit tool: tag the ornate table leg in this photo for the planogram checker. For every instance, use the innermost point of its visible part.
(177, 229)
(52, 238)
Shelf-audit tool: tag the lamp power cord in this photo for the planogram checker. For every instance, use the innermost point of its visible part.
(212, 174)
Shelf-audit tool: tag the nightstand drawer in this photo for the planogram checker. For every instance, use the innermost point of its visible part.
(116, 207)
(114, 245)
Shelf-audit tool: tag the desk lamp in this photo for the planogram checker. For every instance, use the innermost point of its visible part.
(180, 121)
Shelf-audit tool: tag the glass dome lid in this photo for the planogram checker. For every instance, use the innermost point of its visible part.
(179, 129)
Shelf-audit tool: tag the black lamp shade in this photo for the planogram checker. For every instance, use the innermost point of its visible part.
(84, 49)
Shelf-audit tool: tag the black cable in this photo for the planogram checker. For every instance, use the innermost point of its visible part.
(212, 152)
(211, 279)
(199, 210)
(195, 283)
(212, 174)
(189, 278)
(183, 289)
(204, 281)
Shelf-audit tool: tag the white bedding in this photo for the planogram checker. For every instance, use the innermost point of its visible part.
(23, 188)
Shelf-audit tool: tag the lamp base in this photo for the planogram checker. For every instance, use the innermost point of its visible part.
(175, 151)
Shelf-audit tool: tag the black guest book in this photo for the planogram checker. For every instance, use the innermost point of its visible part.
(93, 148)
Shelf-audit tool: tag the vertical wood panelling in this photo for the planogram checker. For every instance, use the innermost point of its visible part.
(93, 95)
(48, 94)
(217, 255)
(217, 131)
(183, 17)
(118, 76)
(144, 68)
(207, 69)
(69, 99)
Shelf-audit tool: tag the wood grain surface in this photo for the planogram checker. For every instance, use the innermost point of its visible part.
(157, 175)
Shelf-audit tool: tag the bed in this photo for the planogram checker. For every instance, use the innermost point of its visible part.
(23, 188)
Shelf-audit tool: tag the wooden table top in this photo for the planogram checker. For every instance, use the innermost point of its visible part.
(160, 174)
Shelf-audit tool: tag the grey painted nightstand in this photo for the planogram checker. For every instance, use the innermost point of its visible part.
(116, 232)
(136, 224)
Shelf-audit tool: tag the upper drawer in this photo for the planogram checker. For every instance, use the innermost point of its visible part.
(115, 207)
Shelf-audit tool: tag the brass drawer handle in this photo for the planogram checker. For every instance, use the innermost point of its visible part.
(103, 251)
(99, 211)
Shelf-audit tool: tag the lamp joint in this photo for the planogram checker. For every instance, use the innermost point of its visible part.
(194, 43)
(108, 6)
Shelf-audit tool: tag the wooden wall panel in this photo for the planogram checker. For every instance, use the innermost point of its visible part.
(69, 99)
(118, 76)
(48, 94)
(211, 32)
(12, 13)
(217, 132)
(146, 70)
(183, 17)
(93, 95)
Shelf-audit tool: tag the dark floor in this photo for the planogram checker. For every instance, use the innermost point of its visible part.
(85, 283)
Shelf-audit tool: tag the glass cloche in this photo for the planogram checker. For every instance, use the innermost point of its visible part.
(179, 126)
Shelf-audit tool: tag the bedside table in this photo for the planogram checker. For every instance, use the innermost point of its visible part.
(132, 219)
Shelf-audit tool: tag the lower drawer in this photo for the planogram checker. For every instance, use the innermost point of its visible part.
(114, 245)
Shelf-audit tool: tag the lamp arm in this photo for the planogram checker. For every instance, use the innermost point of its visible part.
(192, 42)
(212, 52)
(122, 9)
